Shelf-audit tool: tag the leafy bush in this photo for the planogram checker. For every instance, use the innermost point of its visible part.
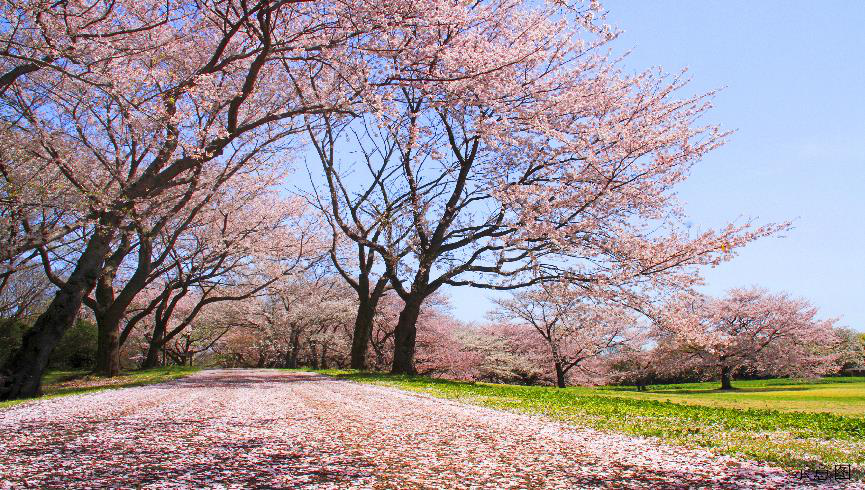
(11, 331)
(77, 348)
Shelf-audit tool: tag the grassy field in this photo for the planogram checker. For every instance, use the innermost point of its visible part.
(841, 396)
(62, 383)
(783, 422)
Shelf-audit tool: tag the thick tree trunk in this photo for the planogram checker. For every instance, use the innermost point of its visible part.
(404, 339)
(155, 347)
(108, 349)
(725, 379)
(110, 309)
(21, 376)
(362, 333)
(560, 375)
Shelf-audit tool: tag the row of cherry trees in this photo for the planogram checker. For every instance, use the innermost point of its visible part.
(545, 335)
(542, 336)
(127, 127)
(749, 332)
(124, 123)
(146, 151)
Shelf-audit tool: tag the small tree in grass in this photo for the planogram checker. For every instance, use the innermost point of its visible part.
(576, 331)
(751, 330)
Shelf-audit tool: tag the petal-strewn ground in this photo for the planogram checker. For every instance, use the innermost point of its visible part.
(272, 429)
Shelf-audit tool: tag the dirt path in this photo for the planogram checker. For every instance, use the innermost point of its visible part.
(272, 429)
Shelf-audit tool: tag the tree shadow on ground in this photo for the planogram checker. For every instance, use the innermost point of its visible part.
(244, 379)
(735, 390)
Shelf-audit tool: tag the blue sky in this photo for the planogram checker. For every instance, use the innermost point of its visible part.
(793, 78)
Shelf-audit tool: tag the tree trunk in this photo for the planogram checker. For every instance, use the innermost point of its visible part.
(21, 376)
(379, 359)
(313, 358)
(725, 379)
(108, 349)
(362, 333)
(155, 347)
(404, 339)
(109, 309)
(295, 350)
(324, 356)
(560, 375)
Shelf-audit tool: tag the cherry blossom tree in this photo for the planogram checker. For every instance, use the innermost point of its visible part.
(28, 215)
(243, 204)
(503, 353)
(851, 348)
(576, 331)
(241, 245)
(305, 320)
(133, 103)
(356, 264)
(33, 211)
(550, 163)
(750, 330)
(208, 328)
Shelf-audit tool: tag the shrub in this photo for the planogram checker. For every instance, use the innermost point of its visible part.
(77, 348)
(11, 331)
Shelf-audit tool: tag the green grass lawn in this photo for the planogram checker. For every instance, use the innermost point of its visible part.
(841, 396)
(62, 383)
(775, 421)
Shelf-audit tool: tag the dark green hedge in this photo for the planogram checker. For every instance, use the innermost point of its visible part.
(76, 350)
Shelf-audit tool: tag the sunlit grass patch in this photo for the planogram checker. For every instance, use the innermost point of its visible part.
(840, 396)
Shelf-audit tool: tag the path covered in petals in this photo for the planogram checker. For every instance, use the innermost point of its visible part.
(272, 429)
